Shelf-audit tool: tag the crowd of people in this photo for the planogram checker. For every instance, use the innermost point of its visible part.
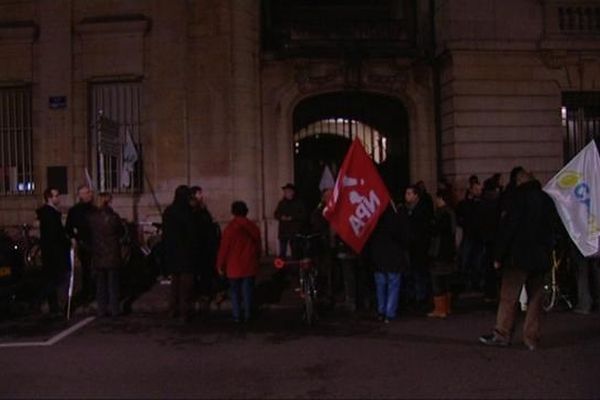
(424, 250)
(96, 234)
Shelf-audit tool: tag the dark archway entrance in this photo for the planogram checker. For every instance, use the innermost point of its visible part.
(325, 125)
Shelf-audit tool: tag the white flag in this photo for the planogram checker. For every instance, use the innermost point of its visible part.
(88, 179)
(130, 157)
(327, 180)
(576, 194)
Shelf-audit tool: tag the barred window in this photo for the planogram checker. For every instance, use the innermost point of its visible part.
(16, 164)
(115, 127)
(581, 120)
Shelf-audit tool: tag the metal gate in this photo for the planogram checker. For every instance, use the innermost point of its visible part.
(16, 154)
(581, 120)
(372, 140)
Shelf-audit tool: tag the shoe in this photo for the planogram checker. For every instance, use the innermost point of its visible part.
(493, 340)
(386, 320)
(581, 311)
(530, 346)
(440, 307)
(380, 317)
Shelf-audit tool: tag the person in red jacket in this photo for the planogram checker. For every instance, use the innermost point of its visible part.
(238, 258)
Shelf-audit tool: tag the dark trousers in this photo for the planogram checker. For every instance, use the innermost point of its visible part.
(325, 268)
(422, 280)
(490, 274)
(348, 267)
(512, 281)
(52, 285)
(439, 283)
(86, 293)
(54, 281)
(472, 264)
(107, 292)
(182, 290)
(242, 292)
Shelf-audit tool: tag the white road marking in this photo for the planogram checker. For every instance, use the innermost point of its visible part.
(53, 340)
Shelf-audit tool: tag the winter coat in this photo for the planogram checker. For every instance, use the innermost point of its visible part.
(486, 217)
(106, 232)
(239, 251)
(420, 220)
(78, 224)
(526, 235)
(387, 247)
(443, 243)
(206, 237)
(180, 238)
(319, 225)
(54, 243)
(291, 208)
(467, 213)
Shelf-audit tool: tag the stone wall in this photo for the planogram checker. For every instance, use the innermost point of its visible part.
(218, 113)
(504, 69)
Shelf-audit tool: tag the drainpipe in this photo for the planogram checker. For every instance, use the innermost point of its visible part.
(261, 127)
(437, 92)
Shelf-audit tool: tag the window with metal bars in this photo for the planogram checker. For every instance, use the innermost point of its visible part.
(16, 155)
(581, 120)
(115, 131)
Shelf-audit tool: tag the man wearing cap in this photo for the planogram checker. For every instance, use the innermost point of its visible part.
(291, 214)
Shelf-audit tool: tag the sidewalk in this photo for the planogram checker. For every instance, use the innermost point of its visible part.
(156, 300)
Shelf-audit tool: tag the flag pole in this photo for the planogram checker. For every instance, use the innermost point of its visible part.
(71, 281)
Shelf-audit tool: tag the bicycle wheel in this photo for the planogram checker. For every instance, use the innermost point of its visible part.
(550, 290)
(309, 299)
(33, 255)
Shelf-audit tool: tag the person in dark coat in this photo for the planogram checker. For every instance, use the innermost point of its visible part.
(523, 250)
(325, 245)
(78, 229)
(487, 217)
(55, 247)
(291, 214)
(179, 238)
(387, 251)
(443, 254)
(207, 245)
(238, 259)
(106, 232)
(420, 219)
(472, 248)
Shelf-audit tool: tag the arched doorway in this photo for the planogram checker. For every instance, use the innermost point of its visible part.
(325, 125)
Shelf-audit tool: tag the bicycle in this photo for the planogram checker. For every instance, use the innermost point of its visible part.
(30, 247)
(20, 267)
(307, 275)
(552, 291)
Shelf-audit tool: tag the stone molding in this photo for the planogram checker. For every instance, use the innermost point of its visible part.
(19, 31)
(119, 24)
(387, 76)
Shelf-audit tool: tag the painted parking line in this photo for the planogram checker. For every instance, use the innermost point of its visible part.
(54, 339)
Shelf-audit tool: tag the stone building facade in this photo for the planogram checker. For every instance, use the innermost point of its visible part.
(476, 86)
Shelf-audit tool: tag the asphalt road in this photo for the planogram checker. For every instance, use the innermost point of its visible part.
(276, 356)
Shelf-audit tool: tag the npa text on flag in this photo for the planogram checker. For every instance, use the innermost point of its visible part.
(358, 200)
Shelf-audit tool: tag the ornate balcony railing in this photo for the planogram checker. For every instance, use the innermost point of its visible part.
(583, 18)
(572, 18)
(319, 36)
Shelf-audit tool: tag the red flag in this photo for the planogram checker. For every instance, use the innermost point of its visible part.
(359, 198)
